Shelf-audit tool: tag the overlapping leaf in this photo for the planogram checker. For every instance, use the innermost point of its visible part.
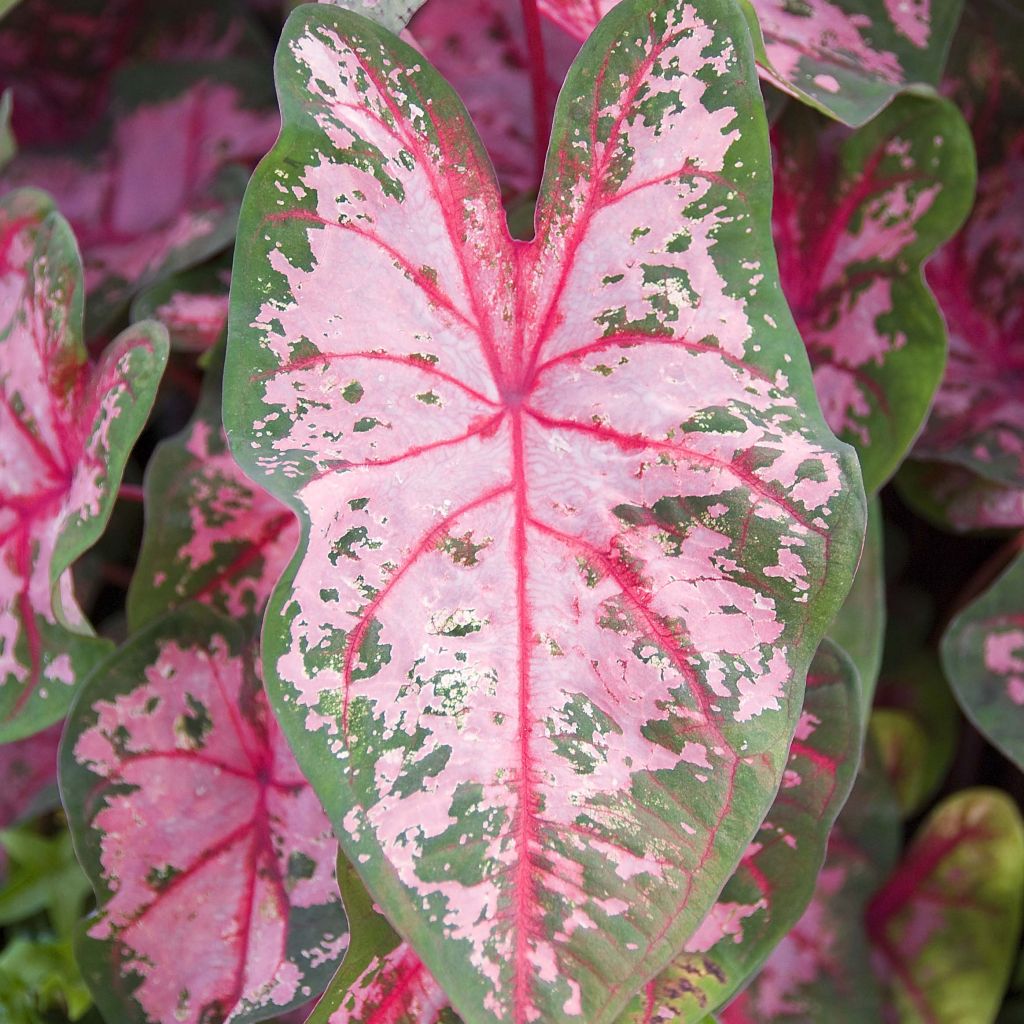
(759, 904)
(228, 912)
(66, 428)
(945, 927)
(855, 215)
(983, 655)
(822, 970)
(977, 425)
(192, 305)
(956, 498)
(848, 58)
(194, 128)
(573, 526)
(211, 536)
(27, 768)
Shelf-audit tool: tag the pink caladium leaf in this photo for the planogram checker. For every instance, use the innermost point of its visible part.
(850, 256)
(211, 535)
(28, 767)
(230, 913)
(573, 525)
(192, 305)
(983, 655)
(957, 499)
(387, 982)
(821, 971)
(66, 428)
(197, 127)
(945, 927)
(847, 58)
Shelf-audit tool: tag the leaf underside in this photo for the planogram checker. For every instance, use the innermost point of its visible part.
(573, 526)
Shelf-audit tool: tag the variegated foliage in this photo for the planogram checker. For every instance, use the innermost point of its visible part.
(855, 216)
(195, 127)
(847, 58)
(227, 913)
(821, 971)
(983, 655)
(387, 983)
(66, 428)
(211, 535)
(573, 525)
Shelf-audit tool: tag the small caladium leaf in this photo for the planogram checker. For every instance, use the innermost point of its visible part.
(228, 913)
(382, 980)
(775, 879)
(211, 535)
(859, 627)
(192, 305)
(955, 498)
(945, 926)
(480, 47)
(847, 58)
(821, 971)
(572, 523)
(202, 125)
(983, 656)
(66, 428)
(850, 256)
(28, 767)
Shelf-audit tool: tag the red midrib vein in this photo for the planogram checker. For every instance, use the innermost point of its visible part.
(525, 895)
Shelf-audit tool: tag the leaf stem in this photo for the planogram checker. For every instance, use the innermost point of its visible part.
(131, 492)
(538, 83)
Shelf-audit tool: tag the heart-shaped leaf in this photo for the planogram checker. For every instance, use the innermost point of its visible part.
(821, 971)
(848, 58)
(572, 523)
(983, 655)
(199, 126)
(759, 904)
(192, 305)
(850, 255)
(229, 912)
(211, 536)
(66, 428)
(945, 926)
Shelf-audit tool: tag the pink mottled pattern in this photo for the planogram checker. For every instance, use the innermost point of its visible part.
(201, 904)
(149, 195)
(978, 418)
(395, 988)
(825, 238)
(912, 19)
(56, 411)
(195, 320)
(469, 455)
(223, 508)
(1004, 656)
(480, 48)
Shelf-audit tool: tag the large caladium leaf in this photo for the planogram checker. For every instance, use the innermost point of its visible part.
(573, 524)
(192, 305)
(66, 428)
(850, 253)
(200, 126)
(211, 536)
(229, 912)
(983, 655)
(759, 904)
(821, 971)
(848, 58)
(945, 927)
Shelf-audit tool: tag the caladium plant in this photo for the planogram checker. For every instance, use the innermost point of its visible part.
(66, 426)
(535, 345)
(610, 426)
